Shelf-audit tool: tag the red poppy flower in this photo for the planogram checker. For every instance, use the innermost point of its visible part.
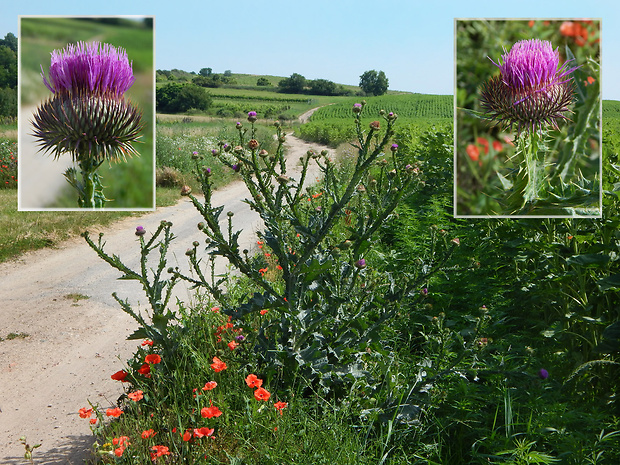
(119, 375)
(264, 311)
(497, 146)
(93, 421)
(280, 405)
(210, 412)
(473, 152)
(147, 342)
(148, 433)
(145, 370)
(152, 358)
(261, 394)
(210, 385)
(232, 345)
(253, 382)
(187, 435)
(202, 432)
(159, 451)
(136, 395)
(121, 441)
(218, 365)
(86, 413)
(114, 412)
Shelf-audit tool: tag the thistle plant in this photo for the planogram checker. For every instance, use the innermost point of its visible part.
(88, 116)
(533, 92)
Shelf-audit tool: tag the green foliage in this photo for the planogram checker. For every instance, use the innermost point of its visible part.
(294, 84)
(374, 83)
(179, 98)
(263, 81)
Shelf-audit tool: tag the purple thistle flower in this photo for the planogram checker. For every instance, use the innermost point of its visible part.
(88, 115)
(533, 90)
(543, 374)
(140, 231)
(361, 263)
(357, 108)
(89, 67)
(252, 116)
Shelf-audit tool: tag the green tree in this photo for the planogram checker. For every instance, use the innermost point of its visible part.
(178, 98)
(8, 67)
(206, 72)
(262, 81)
(373, 82)
(10, 41)
(323, 87)
(294, 84)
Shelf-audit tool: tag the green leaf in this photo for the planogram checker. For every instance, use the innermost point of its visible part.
(589, 260)
(610, 282)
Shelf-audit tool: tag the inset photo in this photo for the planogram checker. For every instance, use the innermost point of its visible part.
(527, 118)
(86, 120)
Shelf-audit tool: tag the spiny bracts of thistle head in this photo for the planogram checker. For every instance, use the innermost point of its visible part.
(87, 115)
(532, 91)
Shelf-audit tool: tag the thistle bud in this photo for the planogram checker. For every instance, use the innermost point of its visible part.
(186, 190)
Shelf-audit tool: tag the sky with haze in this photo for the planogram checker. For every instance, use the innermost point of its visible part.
(411, 41)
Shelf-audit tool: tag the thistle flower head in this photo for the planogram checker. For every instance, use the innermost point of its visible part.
(533, 90)
(89, 67)
(87, 115)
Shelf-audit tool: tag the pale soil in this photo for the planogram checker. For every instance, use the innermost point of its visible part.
(72, 347)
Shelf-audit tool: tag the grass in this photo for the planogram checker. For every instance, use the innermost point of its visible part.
(21, 232)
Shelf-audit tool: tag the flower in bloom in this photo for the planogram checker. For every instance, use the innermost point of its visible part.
(209, 386)
(252, 116)
(152, 358)
(218, 365)
(497, 146)
(85, 413)
(159, 451)
(253, 381)
(210, 412)
(148, 433)
(361, 263)
(147, 342)
(114, 412)
(472, 152)
(120, 441)
(140, 231)
(357, 108)
(532, 91)
(93, 421)
(261, 394)
(136, 395)
(264, 311)
(145, 370)
(187, 435)
(232, 345)
(543, 374)
(87, 114)
(280, 405)
(119, 375)
(202, 432)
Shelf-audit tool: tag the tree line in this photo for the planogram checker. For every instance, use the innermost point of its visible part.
(8, 76)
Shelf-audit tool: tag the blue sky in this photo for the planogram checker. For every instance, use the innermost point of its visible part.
(412, 41)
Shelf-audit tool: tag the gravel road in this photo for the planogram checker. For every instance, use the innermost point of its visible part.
(73, 345)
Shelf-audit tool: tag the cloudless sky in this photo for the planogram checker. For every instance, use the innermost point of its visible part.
(411, 40)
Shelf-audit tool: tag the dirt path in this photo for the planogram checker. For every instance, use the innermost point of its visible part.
(61, 298)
